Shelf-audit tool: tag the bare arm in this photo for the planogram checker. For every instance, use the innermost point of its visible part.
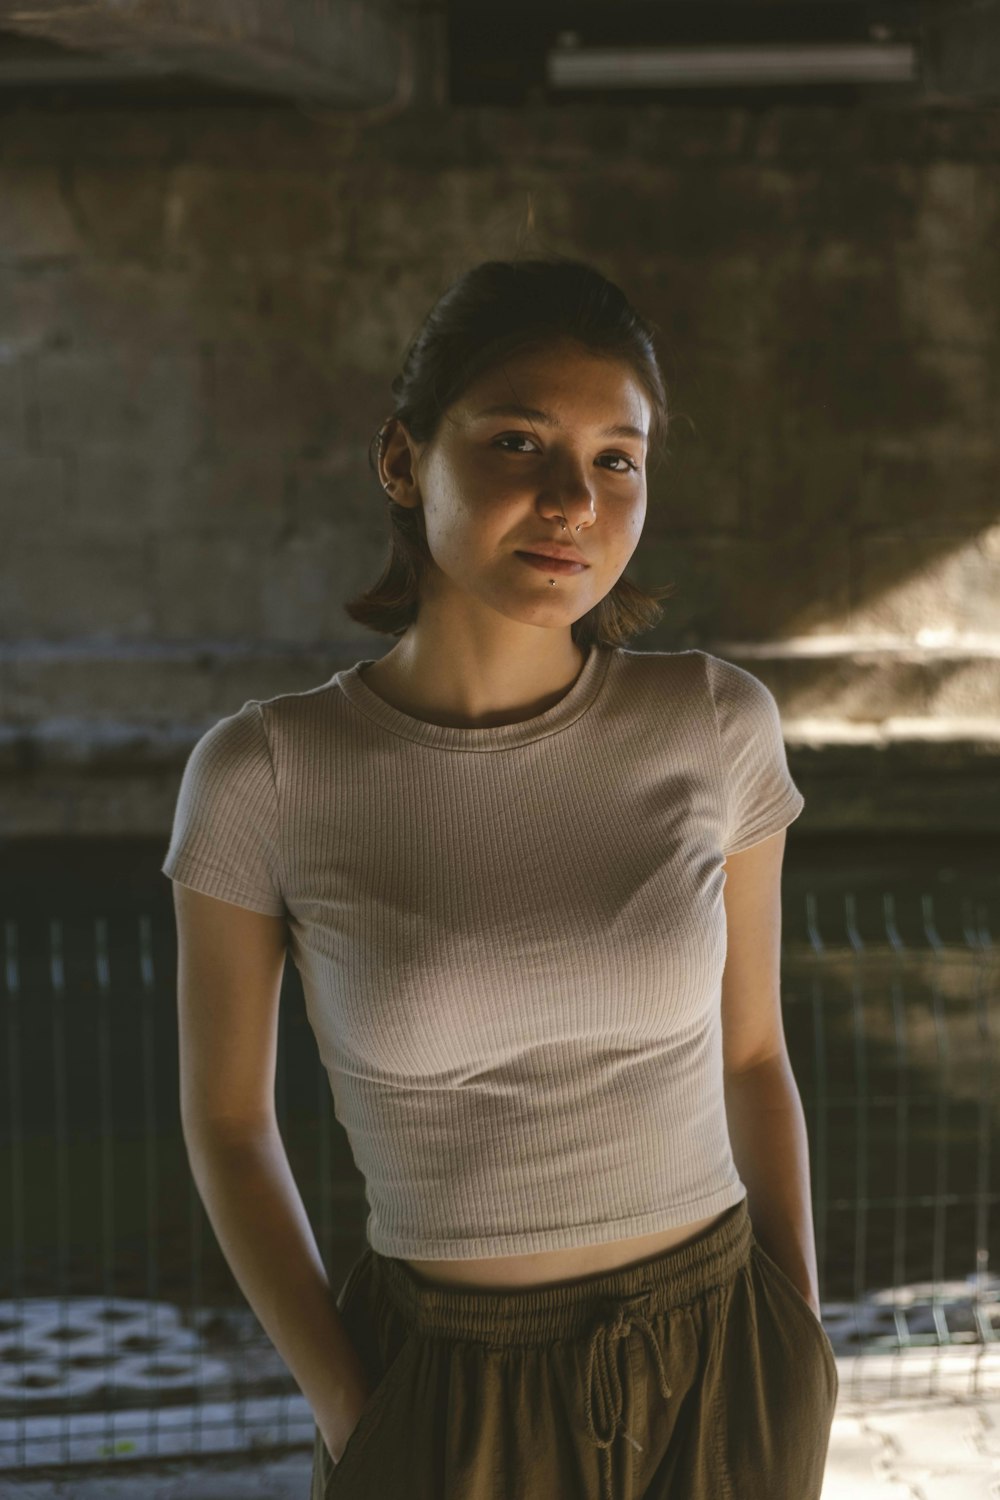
(230, 963)
(767, 1126)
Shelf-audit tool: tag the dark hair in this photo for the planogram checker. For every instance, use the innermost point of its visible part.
(494, 310)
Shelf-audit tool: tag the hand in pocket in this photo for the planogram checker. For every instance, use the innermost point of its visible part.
(339, 1435)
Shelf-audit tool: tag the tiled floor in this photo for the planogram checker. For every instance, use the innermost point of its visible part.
(935, 1449)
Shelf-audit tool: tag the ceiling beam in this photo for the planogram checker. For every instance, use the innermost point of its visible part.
(335, 52)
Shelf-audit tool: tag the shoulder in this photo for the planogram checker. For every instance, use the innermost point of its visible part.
(230, 759)
(692, 679)
(251, 736)
(726, 675)
(291, 708)
(733, 698)
(237, 736)
(736, 692)
(663, 668)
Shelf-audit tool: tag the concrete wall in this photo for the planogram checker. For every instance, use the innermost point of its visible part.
(201, 310)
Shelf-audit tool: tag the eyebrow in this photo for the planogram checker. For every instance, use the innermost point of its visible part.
(535, 414)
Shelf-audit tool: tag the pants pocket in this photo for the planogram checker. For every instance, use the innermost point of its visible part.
(772, 1389)
(383, 1345)
(799, 1305)
(375, 1409)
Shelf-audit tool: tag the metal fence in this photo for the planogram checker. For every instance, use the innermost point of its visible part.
(123, 1333)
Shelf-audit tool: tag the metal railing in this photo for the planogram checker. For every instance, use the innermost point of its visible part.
(124, 1334)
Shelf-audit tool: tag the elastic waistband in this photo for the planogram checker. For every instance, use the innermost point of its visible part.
(539, 1314)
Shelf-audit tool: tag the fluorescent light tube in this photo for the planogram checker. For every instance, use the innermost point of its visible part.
(690, 67)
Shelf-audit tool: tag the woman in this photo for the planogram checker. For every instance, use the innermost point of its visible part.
(531, 882)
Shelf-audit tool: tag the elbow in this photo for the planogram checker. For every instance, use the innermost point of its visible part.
(203, 1132)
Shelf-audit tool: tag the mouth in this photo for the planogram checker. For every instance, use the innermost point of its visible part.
(553, 564)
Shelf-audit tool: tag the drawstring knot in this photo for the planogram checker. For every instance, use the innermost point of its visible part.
(603, 1380)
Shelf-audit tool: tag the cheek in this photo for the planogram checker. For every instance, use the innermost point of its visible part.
(636, 522)
(461, 544)
(628, 532)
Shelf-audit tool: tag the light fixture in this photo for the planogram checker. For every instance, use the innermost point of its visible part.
(571, 66)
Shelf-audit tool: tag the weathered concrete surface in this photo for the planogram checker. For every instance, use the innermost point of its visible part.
(200, 314)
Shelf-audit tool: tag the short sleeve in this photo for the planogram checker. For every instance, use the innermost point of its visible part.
(225, 834)
(760, 796)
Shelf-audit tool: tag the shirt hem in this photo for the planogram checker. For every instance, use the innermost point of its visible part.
(778, 818)
(568, 1237)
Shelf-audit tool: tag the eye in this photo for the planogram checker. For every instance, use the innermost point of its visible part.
(520, 437)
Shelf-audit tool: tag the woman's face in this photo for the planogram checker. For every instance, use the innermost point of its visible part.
(492, 485)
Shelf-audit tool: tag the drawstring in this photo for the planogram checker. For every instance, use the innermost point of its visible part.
(608, 1384)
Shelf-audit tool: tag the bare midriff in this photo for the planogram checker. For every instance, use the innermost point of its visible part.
(550, 1267)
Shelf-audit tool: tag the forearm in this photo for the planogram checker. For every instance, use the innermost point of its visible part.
(255, 1209)
(767, 1129)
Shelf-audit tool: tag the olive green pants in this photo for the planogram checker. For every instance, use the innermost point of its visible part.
(698, 1374)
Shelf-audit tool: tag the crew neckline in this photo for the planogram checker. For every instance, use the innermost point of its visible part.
(561, 715)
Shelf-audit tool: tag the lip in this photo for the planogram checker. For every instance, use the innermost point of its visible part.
(552, 564)
(558, 554)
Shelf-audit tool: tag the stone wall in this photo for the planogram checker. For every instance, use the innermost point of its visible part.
(201, 310)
